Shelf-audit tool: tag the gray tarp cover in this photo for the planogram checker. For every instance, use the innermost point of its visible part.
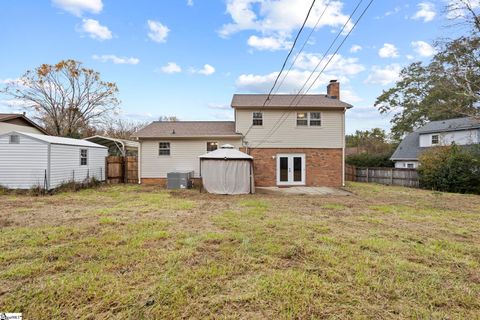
(227, 176)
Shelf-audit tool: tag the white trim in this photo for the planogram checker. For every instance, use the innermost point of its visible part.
(290, 157)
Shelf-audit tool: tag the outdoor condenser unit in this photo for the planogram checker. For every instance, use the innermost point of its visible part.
(179, 180)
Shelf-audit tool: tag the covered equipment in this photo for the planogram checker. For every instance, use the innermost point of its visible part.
(227, 171)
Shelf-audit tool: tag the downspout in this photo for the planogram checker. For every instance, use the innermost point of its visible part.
(139, 164)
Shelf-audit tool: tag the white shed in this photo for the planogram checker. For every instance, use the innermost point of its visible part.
(31, 160)
(227, 171)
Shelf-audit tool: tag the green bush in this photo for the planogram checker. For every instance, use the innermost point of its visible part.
(451, 169)
(370, 160)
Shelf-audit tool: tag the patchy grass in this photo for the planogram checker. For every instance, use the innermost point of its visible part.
(142, 252)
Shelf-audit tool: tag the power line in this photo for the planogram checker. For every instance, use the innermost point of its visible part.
(318, 76)
(286, 59)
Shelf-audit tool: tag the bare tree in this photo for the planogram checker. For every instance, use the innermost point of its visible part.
(120, 128)
(464, 12)
(66, 97)
(168, 118)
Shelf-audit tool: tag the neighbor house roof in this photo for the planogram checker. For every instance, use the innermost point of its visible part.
(56, 140)
(188, 129)
(5, 117)
(285, 101)
(409, 148)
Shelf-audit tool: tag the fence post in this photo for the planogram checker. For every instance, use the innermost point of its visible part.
(391, 176)
(367, 175)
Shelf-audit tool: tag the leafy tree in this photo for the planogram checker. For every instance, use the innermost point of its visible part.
(450, 168)
(370, 141)
(370, 160)
(65, 96)
(447, 87)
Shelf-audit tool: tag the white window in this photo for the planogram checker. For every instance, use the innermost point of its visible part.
(434, 139)
(14, 139)
(164, 149)
(212, 146)
(312, 119)
(302, 119)
(410, 165)
(315, 119)
(257, 119)
(83, 157)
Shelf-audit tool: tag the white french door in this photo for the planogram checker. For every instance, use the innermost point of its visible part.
(290, 169)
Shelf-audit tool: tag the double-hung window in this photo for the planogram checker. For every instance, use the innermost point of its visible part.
(435, 139)
(257, 119)
(312, 119)
(164, 148)
(83, 157)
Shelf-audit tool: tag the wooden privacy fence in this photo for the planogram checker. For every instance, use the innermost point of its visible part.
(122, 169)
(389, 176)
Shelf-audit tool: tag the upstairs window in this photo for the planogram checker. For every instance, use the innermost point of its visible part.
(315, 119)
(435, 139)
(212, 146)
(83, 157)
(164, 149)
(257, 119)
(302, 119)
(14, 139)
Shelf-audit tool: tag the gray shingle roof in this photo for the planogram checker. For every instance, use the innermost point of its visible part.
(409, 148)
(286, 100)
(11, 116)
(187, 129)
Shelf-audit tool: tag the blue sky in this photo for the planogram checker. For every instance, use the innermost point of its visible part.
(187, 58)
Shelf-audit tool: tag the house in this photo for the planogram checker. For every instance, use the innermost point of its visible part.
(30, 160)
(18, 122)
(116, 147)
(294, 140)
(459, 131)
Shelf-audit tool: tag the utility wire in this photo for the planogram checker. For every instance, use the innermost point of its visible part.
(318, 76)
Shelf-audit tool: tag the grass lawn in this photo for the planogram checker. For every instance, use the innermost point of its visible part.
(134, 252)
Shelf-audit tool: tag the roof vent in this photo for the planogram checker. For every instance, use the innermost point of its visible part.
(173, 131)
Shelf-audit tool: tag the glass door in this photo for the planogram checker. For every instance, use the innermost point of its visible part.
(290, 169)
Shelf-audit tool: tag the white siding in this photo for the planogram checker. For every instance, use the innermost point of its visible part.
(404, 164)
(183, 156)
(23, 165)
(9, 127)
(289, 135)
(447, 138)
(65, 164)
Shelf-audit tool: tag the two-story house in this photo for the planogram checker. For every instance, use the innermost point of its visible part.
(459, 131)
(294, 140)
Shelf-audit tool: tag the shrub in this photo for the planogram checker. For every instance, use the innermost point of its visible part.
(370, 160)
(451, 169)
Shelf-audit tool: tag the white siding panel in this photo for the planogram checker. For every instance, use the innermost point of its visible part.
(9, 127)
(23, 165)
(65, 164)
(183, 156)
(447, 138)
(289, 135)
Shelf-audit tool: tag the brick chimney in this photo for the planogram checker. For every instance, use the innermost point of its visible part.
(333, 89)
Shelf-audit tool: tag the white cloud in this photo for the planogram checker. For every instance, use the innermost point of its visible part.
(392, 12)
(349, 96)
(116, 59)
(388, 51)
(423, 49)
(206, 70)
(280, 17)
(158, 31)
(355, 48)
(78, 7)
(219, 106)
(384, 76)
(95, 30)
(340, 68)
(190, 3)
(171, 68)
(268, 43)
(426, 12)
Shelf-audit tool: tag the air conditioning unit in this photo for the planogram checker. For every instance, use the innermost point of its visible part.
(179, 180)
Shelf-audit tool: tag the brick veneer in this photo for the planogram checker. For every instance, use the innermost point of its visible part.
(323, 166)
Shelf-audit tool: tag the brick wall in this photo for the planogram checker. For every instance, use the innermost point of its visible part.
(323, 166)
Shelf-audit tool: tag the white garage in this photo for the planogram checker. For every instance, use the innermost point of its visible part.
(30, 160)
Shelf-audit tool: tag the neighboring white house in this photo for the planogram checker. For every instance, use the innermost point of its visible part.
(18, 122)
(32, 160)
(294, 140)
(459, 131)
